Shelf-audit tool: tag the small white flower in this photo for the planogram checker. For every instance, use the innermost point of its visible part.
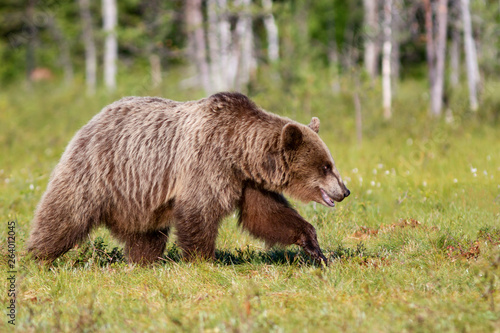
(387, 172)
(372, 183)
(380, 165)
(360, 179)
(473, 170)
(32, 187)
(378, 184)
(455, 180)
(488, 158)
(374, 171)
(369, 192)
(7, 180)
(355, 170)
(475, 174)
(485, 173)
(424, 183)
(409, 142)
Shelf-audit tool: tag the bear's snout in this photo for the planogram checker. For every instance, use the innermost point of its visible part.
(346, 192)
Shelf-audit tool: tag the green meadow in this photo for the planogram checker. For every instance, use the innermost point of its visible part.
(415, 248)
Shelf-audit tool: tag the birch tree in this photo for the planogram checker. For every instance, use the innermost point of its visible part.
(196, 42)
(436, 51)
(217, 71)
(470, 56)
(151, 13)
(246, 61)
(438, 88)
(371, 51)
(386, 60)
(397, 27)
(89, 44)
(454, 51)
(271, 31)
(109, 17)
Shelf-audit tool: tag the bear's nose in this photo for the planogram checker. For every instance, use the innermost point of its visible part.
(346, 193)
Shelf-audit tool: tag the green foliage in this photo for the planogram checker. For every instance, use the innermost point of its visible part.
(96, 252)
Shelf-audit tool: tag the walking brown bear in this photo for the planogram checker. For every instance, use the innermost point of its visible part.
(144, 165)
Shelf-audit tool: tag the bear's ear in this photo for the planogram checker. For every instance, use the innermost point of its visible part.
(291, 136)
(314, 124)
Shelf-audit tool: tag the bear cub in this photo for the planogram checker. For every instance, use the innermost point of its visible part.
(144, 164)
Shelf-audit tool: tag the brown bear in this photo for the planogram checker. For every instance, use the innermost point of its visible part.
(143, 165)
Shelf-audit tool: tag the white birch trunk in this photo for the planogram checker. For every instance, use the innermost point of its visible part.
(397, 27)
(437, 88)
(89, 44)
(228, 63)
(371, 37)
(455, 43)
(197, 44)
(455, 57)
(430, 50)
(216, 67)
(247, 60)
(272, 32)
(386, 60)
(470, 56)
(109, 17)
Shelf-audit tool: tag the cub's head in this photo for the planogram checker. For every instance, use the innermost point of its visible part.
(313, 176)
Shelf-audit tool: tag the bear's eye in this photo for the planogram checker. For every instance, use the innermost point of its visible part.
(326, 168)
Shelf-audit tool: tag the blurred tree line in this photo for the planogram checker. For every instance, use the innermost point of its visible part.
(224, 43)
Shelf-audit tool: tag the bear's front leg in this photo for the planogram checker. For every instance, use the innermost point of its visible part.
(268, 216)
(196, 232)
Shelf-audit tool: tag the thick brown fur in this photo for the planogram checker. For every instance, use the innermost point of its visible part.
(144, 164)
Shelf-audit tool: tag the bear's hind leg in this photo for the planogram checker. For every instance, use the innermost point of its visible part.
(268, 216)
(146, 248)
(54, 234)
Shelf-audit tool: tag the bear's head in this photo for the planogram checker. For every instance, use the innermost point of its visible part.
(312, 172)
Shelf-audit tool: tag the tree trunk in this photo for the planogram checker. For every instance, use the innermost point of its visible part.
(217, 69)
(272, 32)
(470, 56)
(397, 26)
(429, 36)
(442, 25)
(246, 58)
(386, 60)
(436, 51)
(109, 17)
(151, 12)
(371, 37)
(90, 50)
(455, 43)
(196, 42)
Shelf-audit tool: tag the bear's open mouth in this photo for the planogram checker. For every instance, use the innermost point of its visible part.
(326, 198)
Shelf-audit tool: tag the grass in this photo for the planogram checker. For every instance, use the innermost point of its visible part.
(415, 248)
